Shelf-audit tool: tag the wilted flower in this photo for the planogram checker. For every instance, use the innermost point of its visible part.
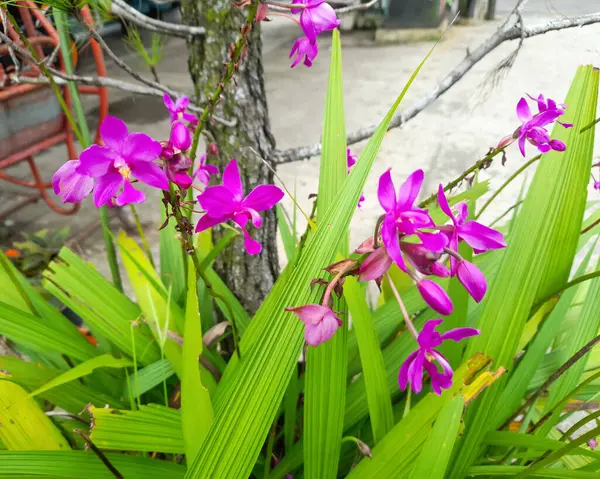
(261, 13)
(315, 18)
(126, 156)
(302, 47)
(227, 202)
(375, 265)
(533, 127)
(321, 322)
(204, 170)
(477, 236)
(424, 358)
(71, 186)
(177, 109)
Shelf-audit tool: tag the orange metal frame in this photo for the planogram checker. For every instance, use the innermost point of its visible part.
(29, 12)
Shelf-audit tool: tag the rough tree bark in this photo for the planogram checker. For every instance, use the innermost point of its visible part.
(244, 101)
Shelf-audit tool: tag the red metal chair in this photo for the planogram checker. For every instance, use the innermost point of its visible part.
(14, 97)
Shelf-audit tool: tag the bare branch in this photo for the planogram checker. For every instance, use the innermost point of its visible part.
(509, 30)
(127, 12)
(62, 78)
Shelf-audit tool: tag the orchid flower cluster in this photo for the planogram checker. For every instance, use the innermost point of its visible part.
(316, 17)
(125, 159)
(407, 236)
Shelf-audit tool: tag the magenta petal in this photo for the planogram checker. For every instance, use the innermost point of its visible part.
(139, 147)
(458, 334)
(180, 137)
(472, 279)
(95, 160)
(309, 314)
(409, 190)
(523, 110)
(308, 25)
(130, 195)
(324, 18)
(70, 185)
(429, 337)
(168, 102)
(107, 187)
(217, 201)
(113, 132)
(557, 145)
(208, 222)
(389, 235)
(182, 103)
(480, 237)
(435, 242)
(211, 169)
(375, 266)
(151, 174)
(181, 179)
(415, 373)
(386, 192)
(440, 269)
(443, 202)
(232, 180)
(315, 334)
(263, 197)
(522, 138)
(367, 246)
(435, 296)
(252, 246)
(403, 373)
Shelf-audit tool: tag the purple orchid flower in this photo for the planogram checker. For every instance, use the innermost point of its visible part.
(351, 161)
(423, 358)
(204, 170)
(597, 185)
(177, 163)
(72, 187)
(177, 109)
(477, 236)
(533, 127)
(321, 322)
(402, 217)
(125, 156)
(303, 48)
(227, 202)
(316, 17)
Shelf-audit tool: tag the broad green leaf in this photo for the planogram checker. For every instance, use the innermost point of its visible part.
(435, 455)
(72, 397)
(152, 428)
(196, 407)
(32, 332)
(251, 390)
(23, 425)
(105, 310)
(287, 236)
(83, 369)
(160, 310)
(172, 272)
(539, 255)
(145, 379)
(290, 412)
(378, 395)
(71, 464)
(326, 365)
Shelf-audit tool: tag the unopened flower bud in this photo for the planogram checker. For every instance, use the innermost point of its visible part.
(472, 279)
(213, 149)
(435, 296)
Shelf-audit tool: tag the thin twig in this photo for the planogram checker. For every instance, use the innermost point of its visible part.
(100, 454)
(553, 378)
(509, 30)
(122, 9)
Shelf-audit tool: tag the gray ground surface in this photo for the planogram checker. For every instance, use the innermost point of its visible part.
(443, 140)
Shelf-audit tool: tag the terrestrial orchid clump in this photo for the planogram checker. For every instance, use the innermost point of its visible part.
(407, 236)
(316, 17)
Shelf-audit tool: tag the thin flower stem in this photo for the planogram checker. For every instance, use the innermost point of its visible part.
(590, 125)
(506, 212)
(269, 452)
(330, 287)
(409, 323)
(506, 183)
(595, 223)
(114, 471)
(232, 66)
(284, 15)
(570, 284)
(479, 165)
(188, 244)
(407, 403)
(140, 229)
(553, 378)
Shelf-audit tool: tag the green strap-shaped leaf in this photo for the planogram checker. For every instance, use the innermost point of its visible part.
(326, 365)
(373, 367)
(172, 272)
(539, 254)
(196, 407)
(23, 425)
(252, 389)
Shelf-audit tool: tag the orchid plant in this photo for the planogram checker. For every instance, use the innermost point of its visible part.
(462, 313)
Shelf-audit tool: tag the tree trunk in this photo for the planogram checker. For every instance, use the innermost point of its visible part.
(244, 102)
